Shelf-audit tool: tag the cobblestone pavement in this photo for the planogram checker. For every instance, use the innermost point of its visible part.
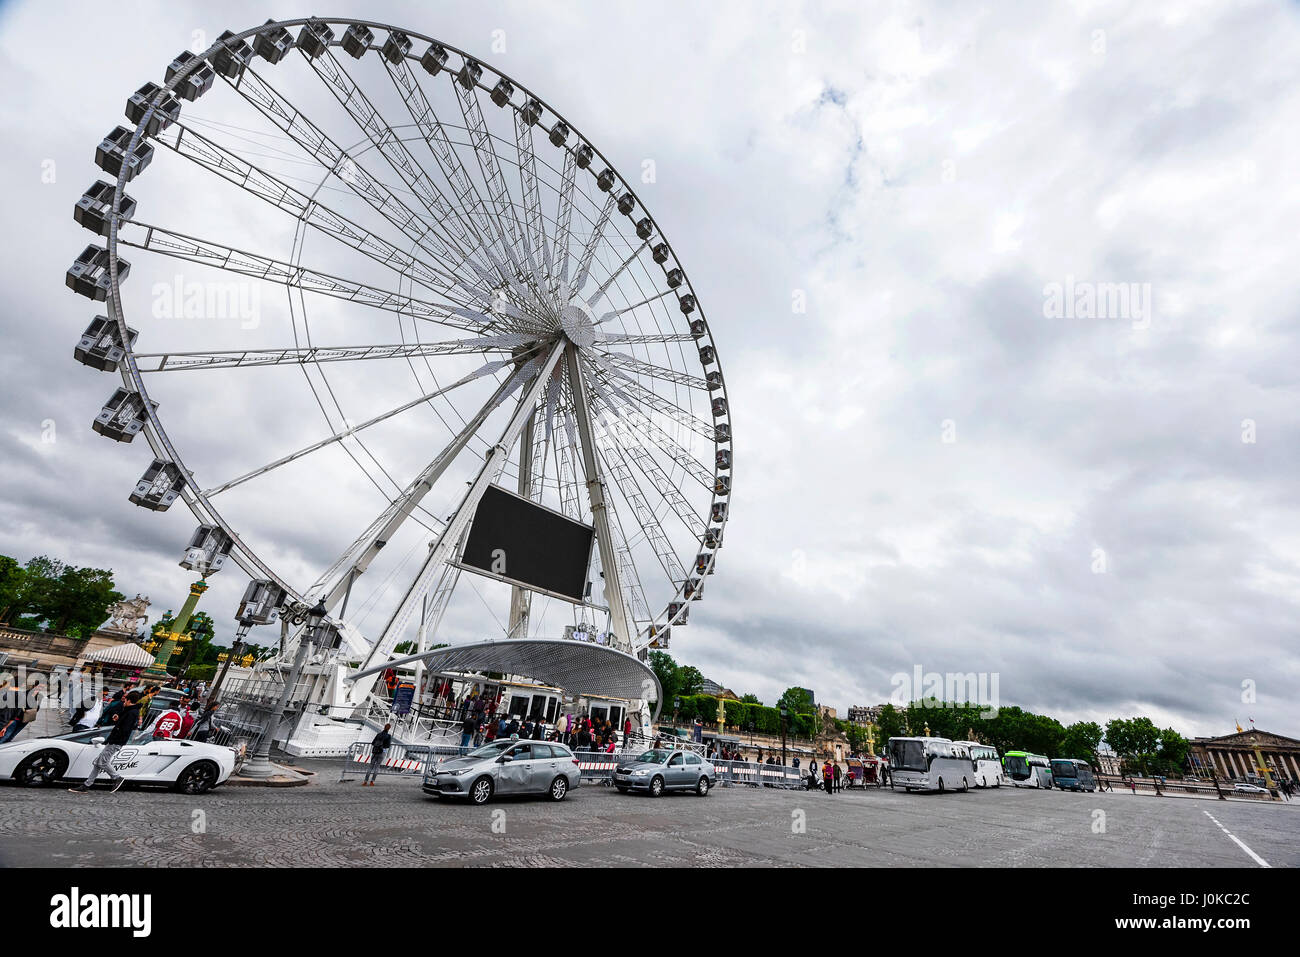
(333, 824)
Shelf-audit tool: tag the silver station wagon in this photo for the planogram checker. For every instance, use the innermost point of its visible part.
(662, 770)
(505, 767)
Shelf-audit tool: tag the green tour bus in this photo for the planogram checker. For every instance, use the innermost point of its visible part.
(1027, 770)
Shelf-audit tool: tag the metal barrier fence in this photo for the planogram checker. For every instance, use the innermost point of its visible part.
(398, 759)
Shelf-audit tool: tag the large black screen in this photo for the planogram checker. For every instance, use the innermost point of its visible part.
(519, 541)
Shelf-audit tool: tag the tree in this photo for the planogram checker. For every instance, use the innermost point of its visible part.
(63, 599)
(891, 724)
(797, 701)
(11, 583)
(750, 699)
(665, 669)
(689, 680)
(1137, 740)
(1081, 740)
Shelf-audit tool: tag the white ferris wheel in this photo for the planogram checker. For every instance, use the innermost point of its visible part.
(361, 283)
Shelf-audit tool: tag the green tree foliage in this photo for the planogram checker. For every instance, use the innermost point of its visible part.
(750, 699)
(1081, 740)
(689, 680)
(61, 598)
(665, 669)
(892, 724)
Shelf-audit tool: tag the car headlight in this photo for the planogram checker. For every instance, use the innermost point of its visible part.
(640, 772)
(459, 771)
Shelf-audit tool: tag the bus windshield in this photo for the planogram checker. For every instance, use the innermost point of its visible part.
(907, 756)
(1063, 769)
(1018, 767)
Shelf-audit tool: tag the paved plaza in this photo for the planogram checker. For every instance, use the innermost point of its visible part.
(333, 824)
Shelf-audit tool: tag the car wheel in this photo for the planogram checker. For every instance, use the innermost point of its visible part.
(41, 769)
(941, 785)
(481, 791)
(559, 788)
(702, 786)
(198, 778)
(965, 786)
(656, 786)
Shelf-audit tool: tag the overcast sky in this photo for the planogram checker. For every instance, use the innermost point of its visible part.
(878, 206)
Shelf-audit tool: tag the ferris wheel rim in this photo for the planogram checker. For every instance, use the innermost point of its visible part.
(161, 443)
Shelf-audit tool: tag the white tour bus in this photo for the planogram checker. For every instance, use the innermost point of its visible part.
(988, 766)
(929, 764)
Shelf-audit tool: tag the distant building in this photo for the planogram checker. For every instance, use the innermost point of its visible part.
(1108, 762)
(1232, 756)
(863, 715)
(715, 690)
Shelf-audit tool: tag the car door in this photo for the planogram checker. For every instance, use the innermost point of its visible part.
(546, 766)
(694, 768)
(676, 774)
(514, 775)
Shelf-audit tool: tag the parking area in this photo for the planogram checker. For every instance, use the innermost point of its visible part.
(332, 823)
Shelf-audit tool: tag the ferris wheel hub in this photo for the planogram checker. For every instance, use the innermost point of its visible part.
(578, 323)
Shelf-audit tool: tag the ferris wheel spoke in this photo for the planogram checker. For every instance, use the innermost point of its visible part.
(390, 146)
(320, 147)
(251, 265)
(613, 277)
(534, 229)
(658, 478)
(628, 363)
(593, 242)
(453, 168)
(629, 338)
(634, 306)
(638, 607)
(217, 159)
(564, 219)
(616, 465)
(353, 430)
(639, 395)
(481, 142)
(184, 361)
(634, 419)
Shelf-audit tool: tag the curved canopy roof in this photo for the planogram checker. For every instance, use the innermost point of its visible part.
(578, 667)
(128, 654)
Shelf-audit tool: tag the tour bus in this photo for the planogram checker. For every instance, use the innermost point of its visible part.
(1027, 770)
(929, 764)
(1071, 774)
(987, 764)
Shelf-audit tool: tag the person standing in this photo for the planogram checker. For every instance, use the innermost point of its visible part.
(123, 725)
(205, 724)
(379, 746)
(828, 777)
(839, 779)
(697, 730)
(467, 728)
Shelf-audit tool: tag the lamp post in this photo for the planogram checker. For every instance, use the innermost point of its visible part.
(677, 706)
(785, 713)
(320, 633)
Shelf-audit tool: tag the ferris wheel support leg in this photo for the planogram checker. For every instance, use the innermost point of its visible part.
(519, 597)
(621, 621)
(459, 522)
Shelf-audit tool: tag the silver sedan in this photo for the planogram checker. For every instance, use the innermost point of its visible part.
(661, 770)
(511, 766)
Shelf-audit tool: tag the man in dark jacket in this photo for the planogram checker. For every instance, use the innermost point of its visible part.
(378, 747)
(124, 725)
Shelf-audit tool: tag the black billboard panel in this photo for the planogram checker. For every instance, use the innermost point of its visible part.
(524, 543)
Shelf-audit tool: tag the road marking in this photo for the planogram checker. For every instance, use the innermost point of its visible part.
(1258, 860)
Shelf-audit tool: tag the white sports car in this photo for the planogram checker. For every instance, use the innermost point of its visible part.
(192, 767)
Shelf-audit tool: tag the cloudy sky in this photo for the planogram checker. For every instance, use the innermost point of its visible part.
(880, 208)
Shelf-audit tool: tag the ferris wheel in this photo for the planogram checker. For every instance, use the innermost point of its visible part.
(362, 283)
